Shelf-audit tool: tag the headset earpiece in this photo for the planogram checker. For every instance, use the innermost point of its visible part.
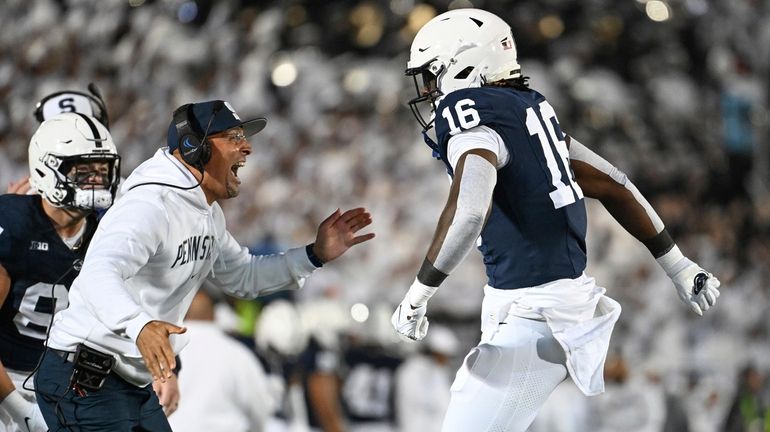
(194, 149)
(39, 111)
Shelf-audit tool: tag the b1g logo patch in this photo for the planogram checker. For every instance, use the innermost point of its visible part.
(38, 246)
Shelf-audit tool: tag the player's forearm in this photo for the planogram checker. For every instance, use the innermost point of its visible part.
(630, 214)
(601, 180)
(6, 385)
(459, 226)
(463, 217)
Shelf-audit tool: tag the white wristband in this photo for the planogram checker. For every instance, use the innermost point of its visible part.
(419, 293)
(15, 404)
(672, 261)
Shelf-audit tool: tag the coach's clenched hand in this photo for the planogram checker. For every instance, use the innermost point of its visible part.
(336, 234)
(156, 349)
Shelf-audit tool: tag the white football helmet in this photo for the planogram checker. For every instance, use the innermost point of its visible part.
(59, 144)
(280, 328)
(459, 49)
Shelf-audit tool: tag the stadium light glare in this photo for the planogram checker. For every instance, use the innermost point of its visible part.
(187, 12)
(550, 26)
(359, 312)
(284, 74)
(356, 81)
(420, 15)
(657, 10)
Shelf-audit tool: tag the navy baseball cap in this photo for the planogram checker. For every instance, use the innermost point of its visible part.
(224, 118)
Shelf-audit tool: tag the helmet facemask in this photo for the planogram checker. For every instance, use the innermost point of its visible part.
(87, 181)
(427, 91)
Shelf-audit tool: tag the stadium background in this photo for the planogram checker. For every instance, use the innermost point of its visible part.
(674, 92)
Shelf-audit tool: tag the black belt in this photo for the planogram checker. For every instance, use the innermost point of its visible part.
(66, 355)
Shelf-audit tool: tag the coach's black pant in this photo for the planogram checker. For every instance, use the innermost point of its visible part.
(117, 406)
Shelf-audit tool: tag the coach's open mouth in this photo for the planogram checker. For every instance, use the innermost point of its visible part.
(235, 168)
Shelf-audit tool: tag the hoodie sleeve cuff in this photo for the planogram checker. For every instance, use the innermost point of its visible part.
(299, 262)
(136, 325)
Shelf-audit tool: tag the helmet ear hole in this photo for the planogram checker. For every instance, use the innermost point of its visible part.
(463, 74)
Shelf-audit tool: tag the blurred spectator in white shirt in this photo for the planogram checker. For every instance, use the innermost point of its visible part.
(223, 387)
(423, 382)
(631, 402)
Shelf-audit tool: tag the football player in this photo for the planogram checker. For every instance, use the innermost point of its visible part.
(75, 170)
(519, 183)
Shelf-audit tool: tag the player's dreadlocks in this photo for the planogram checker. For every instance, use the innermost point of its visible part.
(519, 83)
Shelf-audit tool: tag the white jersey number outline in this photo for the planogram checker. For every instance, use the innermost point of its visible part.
(27, 313)
(564, 195)
(468, 117)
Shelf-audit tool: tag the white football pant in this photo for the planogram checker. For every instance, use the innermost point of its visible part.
(506, 378)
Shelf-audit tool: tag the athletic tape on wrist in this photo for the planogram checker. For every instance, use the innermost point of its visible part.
(419, 293)
(672, 261)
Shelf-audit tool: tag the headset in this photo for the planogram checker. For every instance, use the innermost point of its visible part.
(95, 98)
(194, 148)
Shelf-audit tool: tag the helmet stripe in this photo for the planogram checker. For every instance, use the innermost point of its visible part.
(97, 137)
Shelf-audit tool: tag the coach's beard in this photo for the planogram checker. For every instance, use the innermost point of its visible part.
(233, 185)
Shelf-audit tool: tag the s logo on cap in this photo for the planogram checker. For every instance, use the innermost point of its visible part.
(227, 104)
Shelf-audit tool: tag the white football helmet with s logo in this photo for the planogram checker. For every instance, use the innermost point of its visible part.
(460, 49)
(63, 142)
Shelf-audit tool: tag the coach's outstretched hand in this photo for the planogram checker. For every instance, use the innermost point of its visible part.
(156, 349)
(337, 233)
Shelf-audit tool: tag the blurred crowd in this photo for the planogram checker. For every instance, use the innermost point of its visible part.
(676, 97)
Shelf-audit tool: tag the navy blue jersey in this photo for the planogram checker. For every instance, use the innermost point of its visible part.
(41, 268)
(368, 388)
(537, 226)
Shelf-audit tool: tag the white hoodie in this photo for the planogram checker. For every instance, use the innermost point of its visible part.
(152, 251)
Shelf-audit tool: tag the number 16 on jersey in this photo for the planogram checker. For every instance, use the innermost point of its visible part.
(564, 194)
